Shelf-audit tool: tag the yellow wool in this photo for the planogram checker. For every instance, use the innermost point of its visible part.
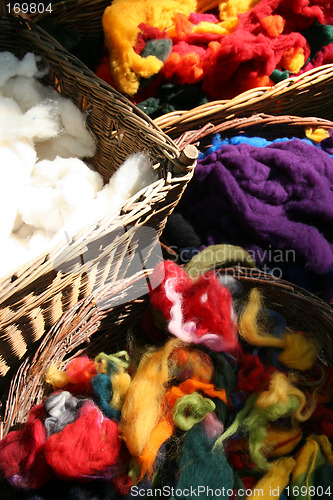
(120, 23)
(316, 134)
(325, 446)
(120, 384)
(56, 378)
(280, 391)
(142, 409)
(293, 59)
(274, 482)
(281, 440)
(249, 328)
(306, 458)
(300, 351)
(231, 8)
(224, 28)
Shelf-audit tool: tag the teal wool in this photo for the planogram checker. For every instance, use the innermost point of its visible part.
(323, 477)
(277, 75)
(102, 388)
(318, 36)
(201, 466)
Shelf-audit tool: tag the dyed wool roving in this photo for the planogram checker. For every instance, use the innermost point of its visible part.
(46, 189)
(247, 44)
(199, 311)
(89, 446)
(278, 195)
(189, 416)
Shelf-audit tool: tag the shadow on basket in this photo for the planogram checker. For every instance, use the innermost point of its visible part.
(36, 295)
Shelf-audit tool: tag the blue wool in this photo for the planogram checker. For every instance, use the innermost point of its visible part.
(238, 401)
(103, 392)
(270, 355)
(260, 142)
(277, 324)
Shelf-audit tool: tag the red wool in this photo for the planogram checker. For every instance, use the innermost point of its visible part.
(325, 56)
(253, 376)
(80, 371)
(89, 445)
(205, 302)
(199, 18)
(103, 69)
(147, 33)
(321, 421)
(122, 484)
(22, 453)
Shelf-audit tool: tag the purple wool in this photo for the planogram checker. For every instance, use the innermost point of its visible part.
(279, 195)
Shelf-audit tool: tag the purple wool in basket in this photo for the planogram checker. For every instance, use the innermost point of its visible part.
(279, 195)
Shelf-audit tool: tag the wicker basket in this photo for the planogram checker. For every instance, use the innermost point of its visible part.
(306, 95)
(36, 295)
(94, 325)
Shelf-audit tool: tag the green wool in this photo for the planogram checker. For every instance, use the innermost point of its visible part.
(318, 36)
(253, 421)
(191, 409)
(201, 465)
(159, 48)
(217, 257)
(300, 488)
(224, 378)
(278, 76)
(172, 97)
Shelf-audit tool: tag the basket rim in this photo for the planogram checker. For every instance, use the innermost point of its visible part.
(213, 111)
(260, 119)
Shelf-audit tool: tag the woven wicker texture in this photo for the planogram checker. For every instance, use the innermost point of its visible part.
(36, 295)
(307, 95)
(310, 94)
(83, 15)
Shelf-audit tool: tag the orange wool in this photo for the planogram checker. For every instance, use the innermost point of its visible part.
(273, 25)
(183, 26)
(161, 433)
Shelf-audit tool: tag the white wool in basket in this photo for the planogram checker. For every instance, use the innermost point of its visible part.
(46, 190)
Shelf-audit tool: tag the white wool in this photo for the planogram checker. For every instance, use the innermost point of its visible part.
(27, 92)
(43, 208)
(35, 124)
(16, 163)
(133, 175)
(46, 191)
(75, 140)
(11, 66)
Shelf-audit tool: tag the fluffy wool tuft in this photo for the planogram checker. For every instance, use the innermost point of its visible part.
(46, 190)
